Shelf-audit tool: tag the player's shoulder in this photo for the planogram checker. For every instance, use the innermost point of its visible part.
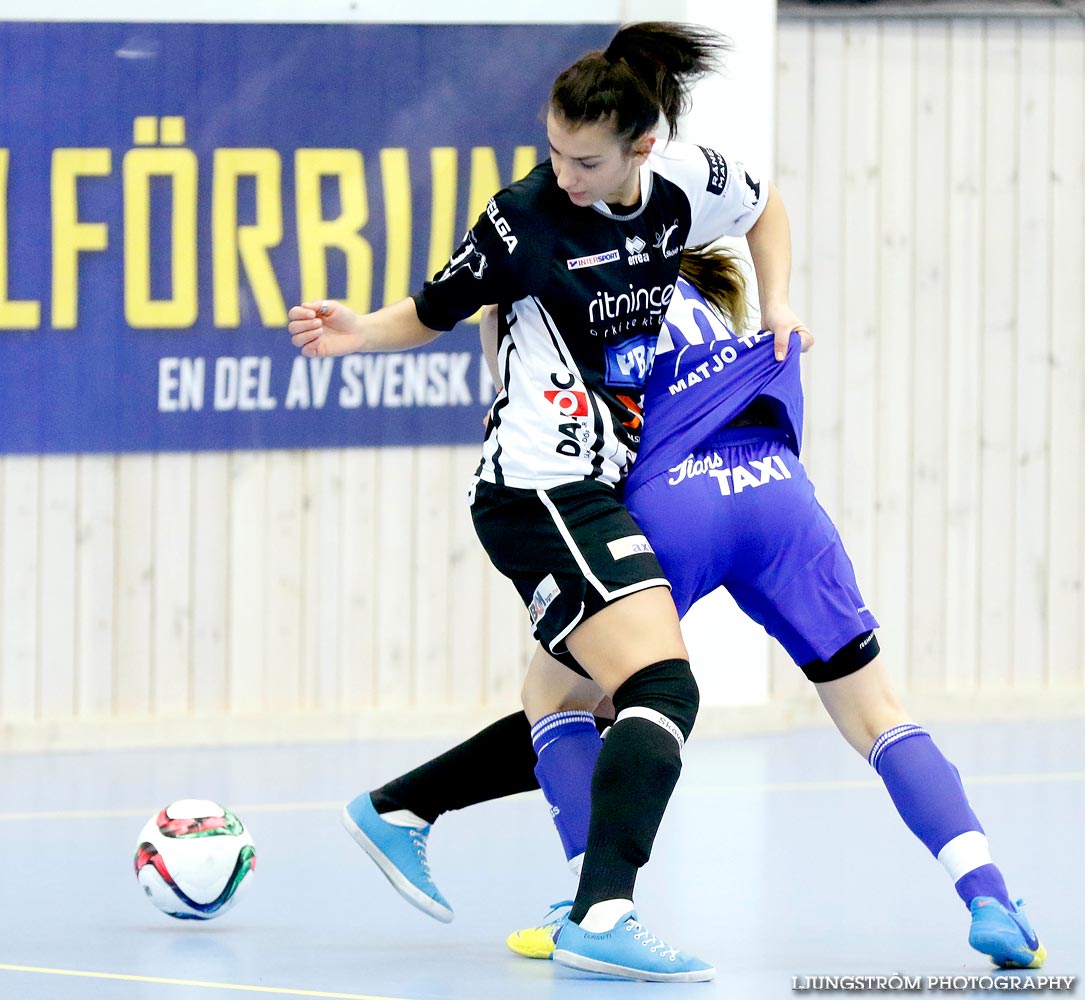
(537, 190)
(533, 205)
(693, 168)
(524, 217)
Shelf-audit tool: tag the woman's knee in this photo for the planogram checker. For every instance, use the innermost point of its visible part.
(550, 686)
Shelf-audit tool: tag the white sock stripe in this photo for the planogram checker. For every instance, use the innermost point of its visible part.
(888, 735)
(876, 756)
(965, 853)
(891, 736)
(651, 715)
(556, 721)
(558, 718)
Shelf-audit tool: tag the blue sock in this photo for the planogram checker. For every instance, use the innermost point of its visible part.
(567, 745)
(927, 791)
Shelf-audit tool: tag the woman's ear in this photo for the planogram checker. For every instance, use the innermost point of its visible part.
(642, 147)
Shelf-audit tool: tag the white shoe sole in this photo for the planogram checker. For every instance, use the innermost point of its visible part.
(400, 883)
(575, 961)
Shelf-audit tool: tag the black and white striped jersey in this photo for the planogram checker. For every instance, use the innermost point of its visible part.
(582, 293)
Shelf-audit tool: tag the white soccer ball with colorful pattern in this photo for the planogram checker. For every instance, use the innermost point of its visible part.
(194, 859)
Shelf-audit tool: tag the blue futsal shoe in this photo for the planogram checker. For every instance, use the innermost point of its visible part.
(400, 853)
(628, 950)
(1005, 935)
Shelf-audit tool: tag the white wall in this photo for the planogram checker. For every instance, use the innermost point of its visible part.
(935, 171)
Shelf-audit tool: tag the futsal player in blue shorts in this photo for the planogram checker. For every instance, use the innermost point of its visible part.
(725, 502)
(723, 499)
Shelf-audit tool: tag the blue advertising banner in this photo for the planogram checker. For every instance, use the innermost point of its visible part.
(168, 191)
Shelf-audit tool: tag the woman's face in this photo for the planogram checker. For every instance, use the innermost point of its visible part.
(592, 164)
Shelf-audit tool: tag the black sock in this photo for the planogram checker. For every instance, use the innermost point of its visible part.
(495, 762)
(634, 777)
(625, 818)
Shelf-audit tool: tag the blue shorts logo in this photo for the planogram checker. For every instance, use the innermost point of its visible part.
(628, 363)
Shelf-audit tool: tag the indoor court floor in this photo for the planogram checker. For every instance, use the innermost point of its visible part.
(781, 856)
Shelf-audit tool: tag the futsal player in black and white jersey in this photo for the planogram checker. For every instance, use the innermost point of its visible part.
(582, 258)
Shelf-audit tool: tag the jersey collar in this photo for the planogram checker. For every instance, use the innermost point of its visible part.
(646, 175)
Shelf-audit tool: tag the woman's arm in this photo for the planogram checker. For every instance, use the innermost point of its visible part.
(769, 240)
(487, 334)
(323, 329)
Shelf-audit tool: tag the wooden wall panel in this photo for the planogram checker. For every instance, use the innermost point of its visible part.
(963, 351)
(894, 377)
(20, 594)
(1066, 413)
(978, 236)
(133, 650)
(96, 626)
(171, 601)
(210, 583)
(57, 614)
(931, 392)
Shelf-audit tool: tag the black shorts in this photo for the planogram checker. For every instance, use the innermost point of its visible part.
(570, 551)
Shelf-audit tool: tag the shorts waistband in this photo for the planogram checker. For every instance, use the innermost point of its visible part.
(745, 434)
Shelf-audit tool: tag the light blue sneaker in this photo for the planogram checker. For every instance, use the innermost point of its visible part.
(1004, 935)
(628, 950)
(400, 852)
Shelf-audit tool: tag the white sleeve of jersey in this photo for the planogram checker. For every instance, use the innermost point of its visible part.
(725, 197)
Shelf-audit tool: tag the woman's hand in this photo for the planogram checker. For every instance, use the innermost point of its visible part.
(781, 321)
(323, 329)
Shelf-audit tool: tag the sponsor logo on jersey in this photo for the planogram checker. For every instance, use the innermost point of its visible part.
(468, 256)
(735, 479)
(663, 239)
(635, 246)
(504, 230)
(594, 260)
(570, 402)
(632, 545)
(628, 363)
(753, 192)
(653, 301)
(717, 170)
(544, 595)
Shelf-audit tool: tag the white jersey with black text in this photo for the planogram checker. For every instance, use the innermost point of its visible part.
(582, 293)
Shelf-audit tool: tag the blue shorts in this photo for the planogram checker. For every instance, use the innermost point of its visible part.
(741, 514)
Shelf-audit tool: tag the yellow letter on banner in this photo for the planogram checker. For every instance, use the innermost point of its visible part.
(13, 315)
(231, 242)
(443, 237)
(317, 234)
(182, 307)
(524, 160)
(70, 236)
(396, 182)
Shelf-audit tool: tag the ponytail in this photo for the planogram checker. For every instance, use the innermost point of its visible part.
(646, 70)
(718, 276)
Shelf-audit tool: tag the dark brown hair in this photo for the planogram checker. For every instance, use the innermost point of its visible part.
(719, 277)
(646, 70)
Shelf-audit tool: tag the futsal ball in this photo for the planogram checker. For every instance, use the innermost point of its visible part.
(194, 859)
